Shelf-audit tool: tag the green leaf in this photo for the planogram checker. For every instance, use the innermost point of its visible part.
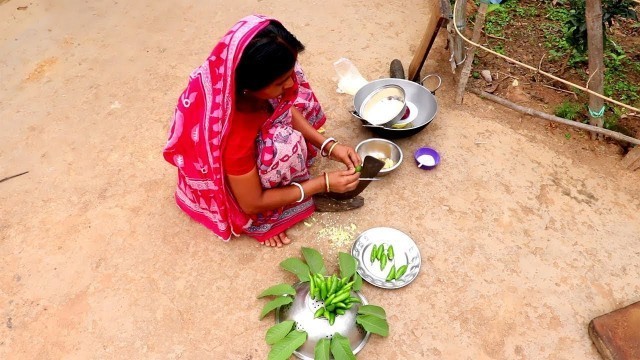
(321, 352)
(357, 282)
(347, 264)
(283, 349)
(376, 311)
(340, 348)
(492, 7)
(314, 259)
(278, 331)
(373, 324)
(273, 304)
(278, 290)
(297, 267)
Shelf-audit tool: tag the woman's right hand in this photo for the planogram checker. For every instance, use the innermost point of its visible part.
(343, 180)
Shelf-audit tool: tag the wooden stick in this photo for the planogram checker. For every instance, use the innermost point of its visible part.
(558, 89)
(493, 36)
(466, 70)
(540, 63)
(591, 77)
(13, 176)
(532, 112)
(507, 75)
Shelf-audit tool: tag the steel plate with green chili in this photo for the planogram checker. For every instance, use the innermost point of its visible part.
(397, 249)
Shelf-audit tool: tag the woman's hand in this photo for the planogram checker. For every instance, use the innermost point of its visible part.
(346, 155)
(343, 180)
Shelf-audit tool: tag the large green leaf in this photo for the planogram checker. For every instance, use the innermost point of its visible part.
(297, 267)
(340, 348)
(321, 352)
(347, 264)
(357, 282)
(373, 324)
(278, 290)
(278, 331)
(314, 259)
(283, 349)
(376, 311)
(273, 304)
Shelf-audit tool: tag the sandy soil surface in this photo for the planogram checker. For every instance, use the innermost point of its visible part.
(525, 235)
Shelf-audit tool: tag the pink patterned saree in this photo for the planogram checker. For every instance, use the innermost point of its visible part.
(198, 135)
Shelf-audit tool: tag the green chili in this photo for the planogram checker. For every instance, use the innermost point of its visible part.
(318, 313)
(392, 273)
(341, 297)
(381, 253)
(341, 305)
(390, 253)
(401, 270)
(374, 253)
(331, 297)
(323, 290)
(383, 263)
(334, 286)
(312, 286)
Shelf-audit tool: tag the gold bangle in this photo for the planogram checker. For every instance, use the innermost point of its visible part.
(326, 180)
(331, 149)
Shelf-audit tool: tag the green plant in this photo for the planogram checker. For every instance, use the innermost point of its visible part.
(568, 110)
(576, 25)
(334, 291)
(618, 86)
(497, 18)
(610, 121)
(560, 14)
(615, 58)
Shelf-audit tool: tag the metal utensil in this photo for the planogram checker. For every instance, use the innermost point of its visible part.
(421, 102)
(301, 311)
(370, 179)
(380, 149)
(386, 95)
(406, 253)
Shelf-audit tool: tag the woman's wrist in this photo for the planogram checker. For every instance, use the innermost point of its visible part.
(314, 186)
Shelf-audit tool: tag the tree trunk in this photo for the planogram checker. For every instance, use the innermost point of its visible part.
(460, 20)
(595, 44)
(466, 70)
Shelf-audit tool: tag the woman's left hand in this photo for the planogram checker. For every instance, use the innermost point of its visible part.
(346, 155)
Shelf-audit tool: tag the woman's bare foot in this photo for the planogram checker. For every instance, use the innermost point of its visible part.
(278, 240)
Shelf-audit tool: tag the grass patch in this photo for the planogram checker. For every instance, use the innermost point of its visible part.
(569, 110)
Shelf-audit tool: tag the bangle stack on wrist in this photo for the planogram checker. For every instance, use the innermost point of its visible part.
(331, 148)
(324, 144)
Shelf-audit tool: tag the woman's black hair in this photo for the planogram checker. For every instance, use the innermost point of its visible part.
(268, 56)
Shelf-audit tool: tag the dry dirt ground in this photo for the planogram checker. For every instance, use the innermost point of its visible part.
(525, 235)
